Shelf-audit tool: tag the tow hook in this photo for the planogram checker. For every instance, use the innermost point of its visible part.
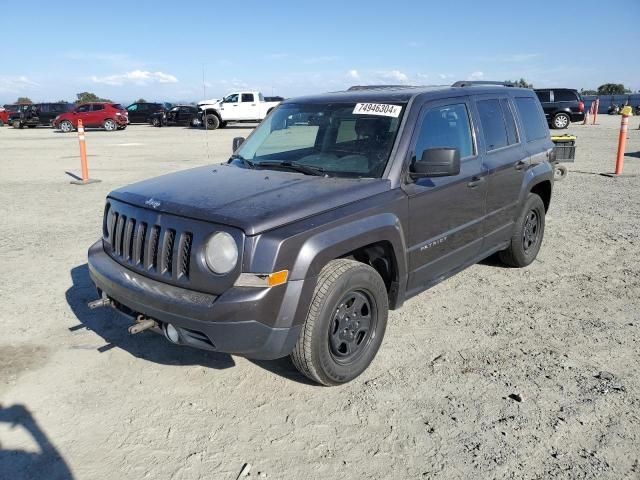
(101, 302)
(142, 324)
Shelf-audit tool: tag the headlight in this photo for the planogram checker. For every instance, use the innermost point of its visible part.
(221, 253)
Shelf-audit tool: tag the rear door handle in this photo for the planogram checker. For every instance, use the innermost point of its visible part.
(520, 165)
(475, 181)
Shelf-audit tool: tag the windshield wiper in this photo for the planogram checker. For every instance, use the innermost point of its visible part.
(245, 162)
(306, 169)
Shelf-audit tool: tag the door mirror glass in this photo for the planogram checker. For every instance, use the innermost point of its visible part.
(237, 142)
(437, 162)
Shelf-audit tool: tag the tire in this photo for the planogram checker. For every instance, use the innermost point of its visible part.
(333, 347)
(561, 121)
(110, 125)
(66, 126)
(155, 122)
(16, 124)
(559, 172)
(527, 237)
(212, 122)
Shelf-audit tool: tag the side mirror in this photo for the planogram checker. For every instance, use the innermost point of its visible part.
(237, 141)
(437, 162)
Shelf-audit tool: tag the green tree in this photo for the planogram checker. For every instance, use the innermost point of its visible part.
(522, 83)
(612, 89)
(584, 91)
(24, 100)
(86, 97)
(140, 100)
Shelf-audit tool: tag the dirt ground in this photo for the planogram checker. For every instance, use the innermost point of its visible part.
(494, 373)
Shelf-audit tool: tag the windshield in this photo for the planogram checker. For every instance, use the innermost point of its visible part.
(341, 139)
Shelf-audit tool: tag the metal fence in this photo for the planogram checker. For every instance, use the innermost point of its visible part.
(606, 101)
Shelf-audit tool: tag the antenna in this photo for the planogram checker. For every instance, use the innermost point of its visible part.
(204, 115)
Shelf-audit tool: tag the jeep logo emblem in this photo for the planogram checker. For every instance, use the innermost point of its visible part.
(152, 203)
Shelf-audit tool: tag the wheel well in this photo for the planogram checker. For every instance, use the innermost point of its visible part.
(543, 190)
(381, 257)
(212, 111)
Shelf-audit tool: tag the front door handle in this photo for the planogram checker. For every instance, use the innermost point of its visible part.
(520, 165)
(475, 181)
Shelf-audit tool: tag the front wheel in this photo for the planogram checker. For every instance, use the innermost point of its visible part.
(561, 120)
(109, 125)
(17, 124)
(527, 237)
(66, 126)
(213, 122)
(155, 122)
(345, 324)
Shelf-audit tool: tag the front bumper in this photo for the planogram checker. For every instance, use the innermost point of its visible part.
(240, 321)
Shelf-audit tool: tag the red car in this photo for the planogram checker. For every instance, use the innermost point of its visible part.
(110, 116)
(4, 116)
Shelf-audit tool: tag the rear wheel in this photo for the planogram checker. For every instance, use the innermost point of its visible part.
(17, 124)
(561, 120)
(213, 122)
(527, 237)
(345, 324)
(66, 126)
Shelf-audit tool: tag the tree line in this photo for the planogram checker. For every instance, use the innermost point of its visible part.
(84, 97)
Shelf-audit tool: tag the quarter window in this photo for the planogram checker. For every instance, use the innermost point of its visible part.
(97, 107)
(447, 126)
(493, 125)
(544, 95)
(512, 132)
(533, 122)
(564, 96)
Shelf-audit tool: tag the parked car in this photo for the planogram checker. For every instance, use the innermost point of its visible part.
(179, 115)
(140, 112)
(4, 116)
(561, 106)
(337, 208)
(236, 107)
(110, 116)
(32, 115)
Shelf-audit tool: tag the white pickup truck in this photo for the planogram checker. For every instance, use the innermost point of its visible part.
(236, 107)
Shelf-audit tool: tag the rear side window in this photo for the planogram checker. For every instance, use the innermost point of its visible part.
(117, 106)
(446, 126)
(247, 97)
(510, 122)
(534, 124)
(83, 108)
(564, 96)
(544, 95)
(493, 126)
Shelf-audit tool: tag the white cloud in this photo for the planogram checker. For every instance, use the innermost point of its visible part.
(395, 75)
(353, 75)
(138, 77)
(476, 76)
(9, 84)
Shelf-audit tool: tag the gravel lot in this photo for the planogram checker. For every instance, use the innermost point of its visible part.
(495, 373)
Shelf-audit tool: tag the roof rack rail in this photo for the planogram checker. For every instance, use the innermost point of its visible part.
(471, 83)
(379, 87)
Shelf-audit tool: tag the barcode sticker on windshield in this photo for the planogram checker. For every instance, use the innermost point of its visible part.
(383, 109)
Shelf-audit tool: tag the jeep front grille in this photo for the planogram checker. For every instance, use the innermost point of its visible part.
(150, 248)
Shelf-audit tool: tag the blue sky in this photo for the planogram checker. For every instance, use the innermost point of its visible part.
(158, 50)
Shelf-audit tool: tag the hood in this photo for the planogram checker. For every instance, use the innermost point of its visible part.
(252, 200)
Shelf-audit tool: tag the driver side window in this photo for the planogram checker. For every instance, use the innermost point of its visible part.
(83, 108)
(231, 98)
(446, 126)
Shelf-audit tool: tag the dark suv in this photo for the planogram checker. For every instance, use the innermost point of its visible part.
(36, 114)
(561, 106)
(337, 208)
(141, 112)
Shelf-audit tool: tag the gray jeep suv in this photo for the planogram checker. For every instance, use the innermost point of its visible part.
(337, 208)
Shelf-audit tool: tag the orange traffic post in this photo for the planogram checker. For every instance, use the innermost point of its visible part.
(622, 140)
(83, 158)
(595, 111)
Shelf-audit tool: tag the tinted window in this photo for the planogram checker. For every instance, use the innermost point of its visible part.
(510, 122)
(132, 108)
(44, 107)
(247, 97)
(492, 121)
(534, 124)
(564, 96)
(544, 95)
(83, 108)
(97, 107)
(446, 126)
